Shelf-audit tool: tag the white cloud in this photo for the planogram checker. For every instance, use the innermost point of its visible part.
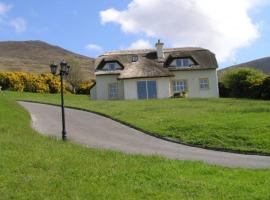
(94, 47)
(4, 8)
(140, 44)
(19, 24)
(222, 26)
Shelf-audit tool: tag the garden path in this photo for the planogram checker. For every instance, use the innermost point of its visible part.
(100, 132)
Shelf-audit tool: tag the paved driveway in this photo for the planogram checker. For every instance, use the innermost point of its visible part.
(100, 132)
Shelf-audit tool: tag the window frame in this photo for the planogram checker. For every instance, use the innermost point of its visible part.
(180, 62)
(185, 87)
(116, 67)
(116, 94)
(134, 58)
(204, 84)
(146, 87)
(110, 68)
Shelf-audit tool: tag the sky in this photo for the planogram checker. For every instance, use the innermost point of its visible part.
(235, 30)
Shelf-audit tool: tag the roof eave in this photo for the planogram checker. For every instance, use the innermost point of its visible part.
(191, 69)
(107, 73)
(142, 77)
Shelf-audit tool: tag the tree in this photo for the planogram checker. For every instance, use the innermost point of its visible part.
(266, 88)
(223, 91)
(243, 82)
(75, 77)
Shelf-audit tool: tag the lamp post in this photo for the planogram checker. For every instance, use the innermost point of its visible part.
(64, 71)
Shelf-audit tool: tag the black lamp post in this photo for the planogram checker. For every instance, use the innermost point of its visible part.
(64, 71)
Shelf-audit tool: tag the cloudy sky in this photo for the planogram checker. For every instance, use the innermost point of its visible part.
(235, 30)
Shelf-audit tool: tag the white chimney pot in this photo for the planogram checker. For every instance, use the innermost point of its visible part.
(160, 52)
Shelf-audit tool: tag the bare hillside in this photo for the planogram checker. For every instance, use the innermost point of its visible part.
(35, 56)
(262, 64)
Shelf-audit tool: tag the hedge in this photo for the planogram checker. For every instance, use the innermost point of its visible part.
(30, 82)
(244, 83)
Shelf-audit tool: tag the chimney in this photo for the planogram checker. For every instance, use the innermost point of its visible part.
(160, 52)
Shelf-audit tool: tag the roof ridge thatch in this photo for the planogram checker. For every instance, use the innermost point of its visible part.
(145, 51)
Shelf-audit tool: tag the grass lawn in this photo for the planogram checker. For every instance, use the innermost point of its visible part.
(232, 124)
(36, 167)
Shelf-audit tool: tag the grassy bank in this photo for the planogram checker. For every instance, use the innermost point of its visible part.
(36, 167)
(234, 124)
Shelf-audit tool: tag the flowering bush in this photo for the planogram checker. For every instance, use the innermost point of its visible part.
(84, 88)
(29, 82)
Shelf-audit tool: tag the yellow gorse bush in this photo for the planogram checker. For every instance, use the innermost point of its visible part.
(30, 82)
(84, 88)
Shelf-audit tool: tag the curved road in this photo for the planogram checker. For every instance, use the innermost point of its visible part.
(100, 132)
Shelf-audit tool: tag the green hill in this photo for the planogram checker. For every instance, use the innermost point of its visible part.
(35, 56)
(262, 64)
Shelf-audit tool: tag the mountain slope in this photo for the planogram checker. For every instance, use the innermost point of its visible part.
(262, 64)
(35, 56)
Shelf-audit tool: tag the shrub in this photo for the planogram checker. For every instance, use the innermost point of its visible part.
(84, 88)
(12, 81)
(243, 82)
(53, 83)
(29, 82)
(266, 88)
(223, 90)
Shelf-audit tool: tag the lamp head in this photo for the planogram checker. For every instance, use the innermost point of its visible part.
(63, 65)
(53, 68)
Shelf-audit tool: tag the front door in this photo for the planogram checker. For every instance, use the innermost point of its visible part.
(147, 89)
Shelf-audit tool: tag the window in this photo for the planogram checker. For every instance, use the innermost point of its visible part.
(204, 83)
(179, 86)
(113, 91)
(147, 89)
(135, 58)
(111, 66)
(181, 62)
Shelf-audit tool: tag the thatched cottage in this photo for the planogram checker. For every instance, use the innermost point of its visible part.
(156, 73)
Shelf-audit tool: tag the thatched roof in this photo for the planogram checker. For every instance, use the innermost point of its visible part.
(148, 65)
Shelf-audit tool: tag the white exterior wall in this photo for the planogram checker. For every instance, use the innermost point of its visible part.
(127, 89)
(102, 86)
(93, 93)
(164, 85)
(120, 89)
(130, 89)
(193, 83)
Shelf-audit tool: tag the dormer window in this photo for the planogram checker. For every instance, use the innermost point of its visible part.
(135, 58)
(182, 62)
(111, 66)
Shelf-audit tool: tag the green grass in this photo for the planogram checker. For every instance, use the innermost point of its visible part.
(231, 124)
(33, 166)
